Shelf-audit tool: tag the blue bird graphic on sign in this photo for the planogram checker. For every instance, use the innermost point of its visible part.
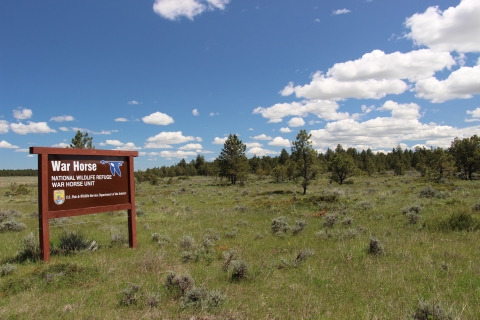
(114, 166)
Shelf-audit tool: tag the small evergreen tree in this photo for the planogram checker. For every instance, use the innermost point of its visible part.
(305, 157)
(81, 141)
(232, 159)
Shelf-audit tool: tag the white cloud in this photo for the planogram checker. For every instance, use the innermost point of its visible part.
(4, 126)
(195, 112)
(328, 88)
(22, 114)
(260, 152)
(460, 84)
(280, 142)
(133, 102)
(296, 122)
(191, 146)
(60, 145)
(62, 118)
(5, 144)
(31, 127)
(177, 154)
(128, 146)
(406, 111)
(285, 130)
(455, 29)
(121, 119)
(262, 137)
(253, 144)
(218, 140)
(321, 108)
(164, 139)
(158, 118)
(114, 143)
(340, 11)
(94, 132)
(378, 65)
(214, 114)
(174, 9)
(63, 129)
(22, 150)
(475, 115)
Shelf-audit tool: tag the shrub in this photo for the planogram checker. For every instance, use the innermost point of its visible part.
(187, 242)
(330, 220)
(299, 226)
(376, 247)
(71, 241)
(280, 225)
(232, 233)
(190, 256)
(11, 225)
(30, 250)
(240, 208)
(365, 205)
(459, 222)
(412, 217)
(303, 255)
(129, 294)
(239, 270)
(7, 269)
(202, 298)
(476, 207)
(180, 283)
(412, 209)
(153, 300)
(228, 257)
(8, 214)
(430, 311)
(430, 192)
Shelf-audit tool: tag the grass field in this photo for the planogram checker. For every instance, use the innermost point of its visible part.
(384, 247)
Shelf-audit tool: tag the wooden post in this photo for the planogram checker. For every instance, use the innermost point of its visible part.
(132, 226)
(43, 207)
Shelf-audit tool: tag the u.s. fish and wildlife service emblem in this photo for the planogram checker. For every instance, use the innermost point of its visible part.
(59, 196)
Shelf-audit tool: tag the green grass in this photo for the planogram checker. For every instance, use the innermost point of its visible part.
(323, 272)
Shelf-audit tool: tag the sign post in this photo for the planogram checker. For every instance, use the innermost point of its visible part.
(74, 182)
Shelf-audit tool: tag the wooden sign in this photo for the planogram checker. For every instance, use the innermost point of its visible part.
(75, 182)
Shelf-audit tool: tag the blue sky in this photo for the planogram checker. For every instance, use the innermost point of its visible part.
(172, 78)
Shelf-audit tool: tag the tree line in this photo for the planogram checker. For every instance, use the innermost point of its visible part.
(303, 163)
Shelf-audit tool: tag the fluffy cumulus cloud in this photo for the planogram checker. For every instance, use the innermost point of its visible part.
(62, 118)
(218, 140)
(5, 144)
(31, 127)
(378, 65)
(262, 137)
(280, 142)
(253, 144)
(128, 146)
(121, 119)
(22, 114)
(328, 88)
(296, 122)
(4, 126)
(174, 9)
(454, 29)
(191, 146)
(460, 84)
(285, 130)
(321, 108)
(260, 152)
(475, 115)
(195, 112)
(133, 102)
(165, 139)
(407, 111)
(60, 145)
(158, 118)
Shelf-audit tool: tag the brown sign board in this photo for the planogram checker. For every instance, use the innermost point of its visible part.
(83, 181)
